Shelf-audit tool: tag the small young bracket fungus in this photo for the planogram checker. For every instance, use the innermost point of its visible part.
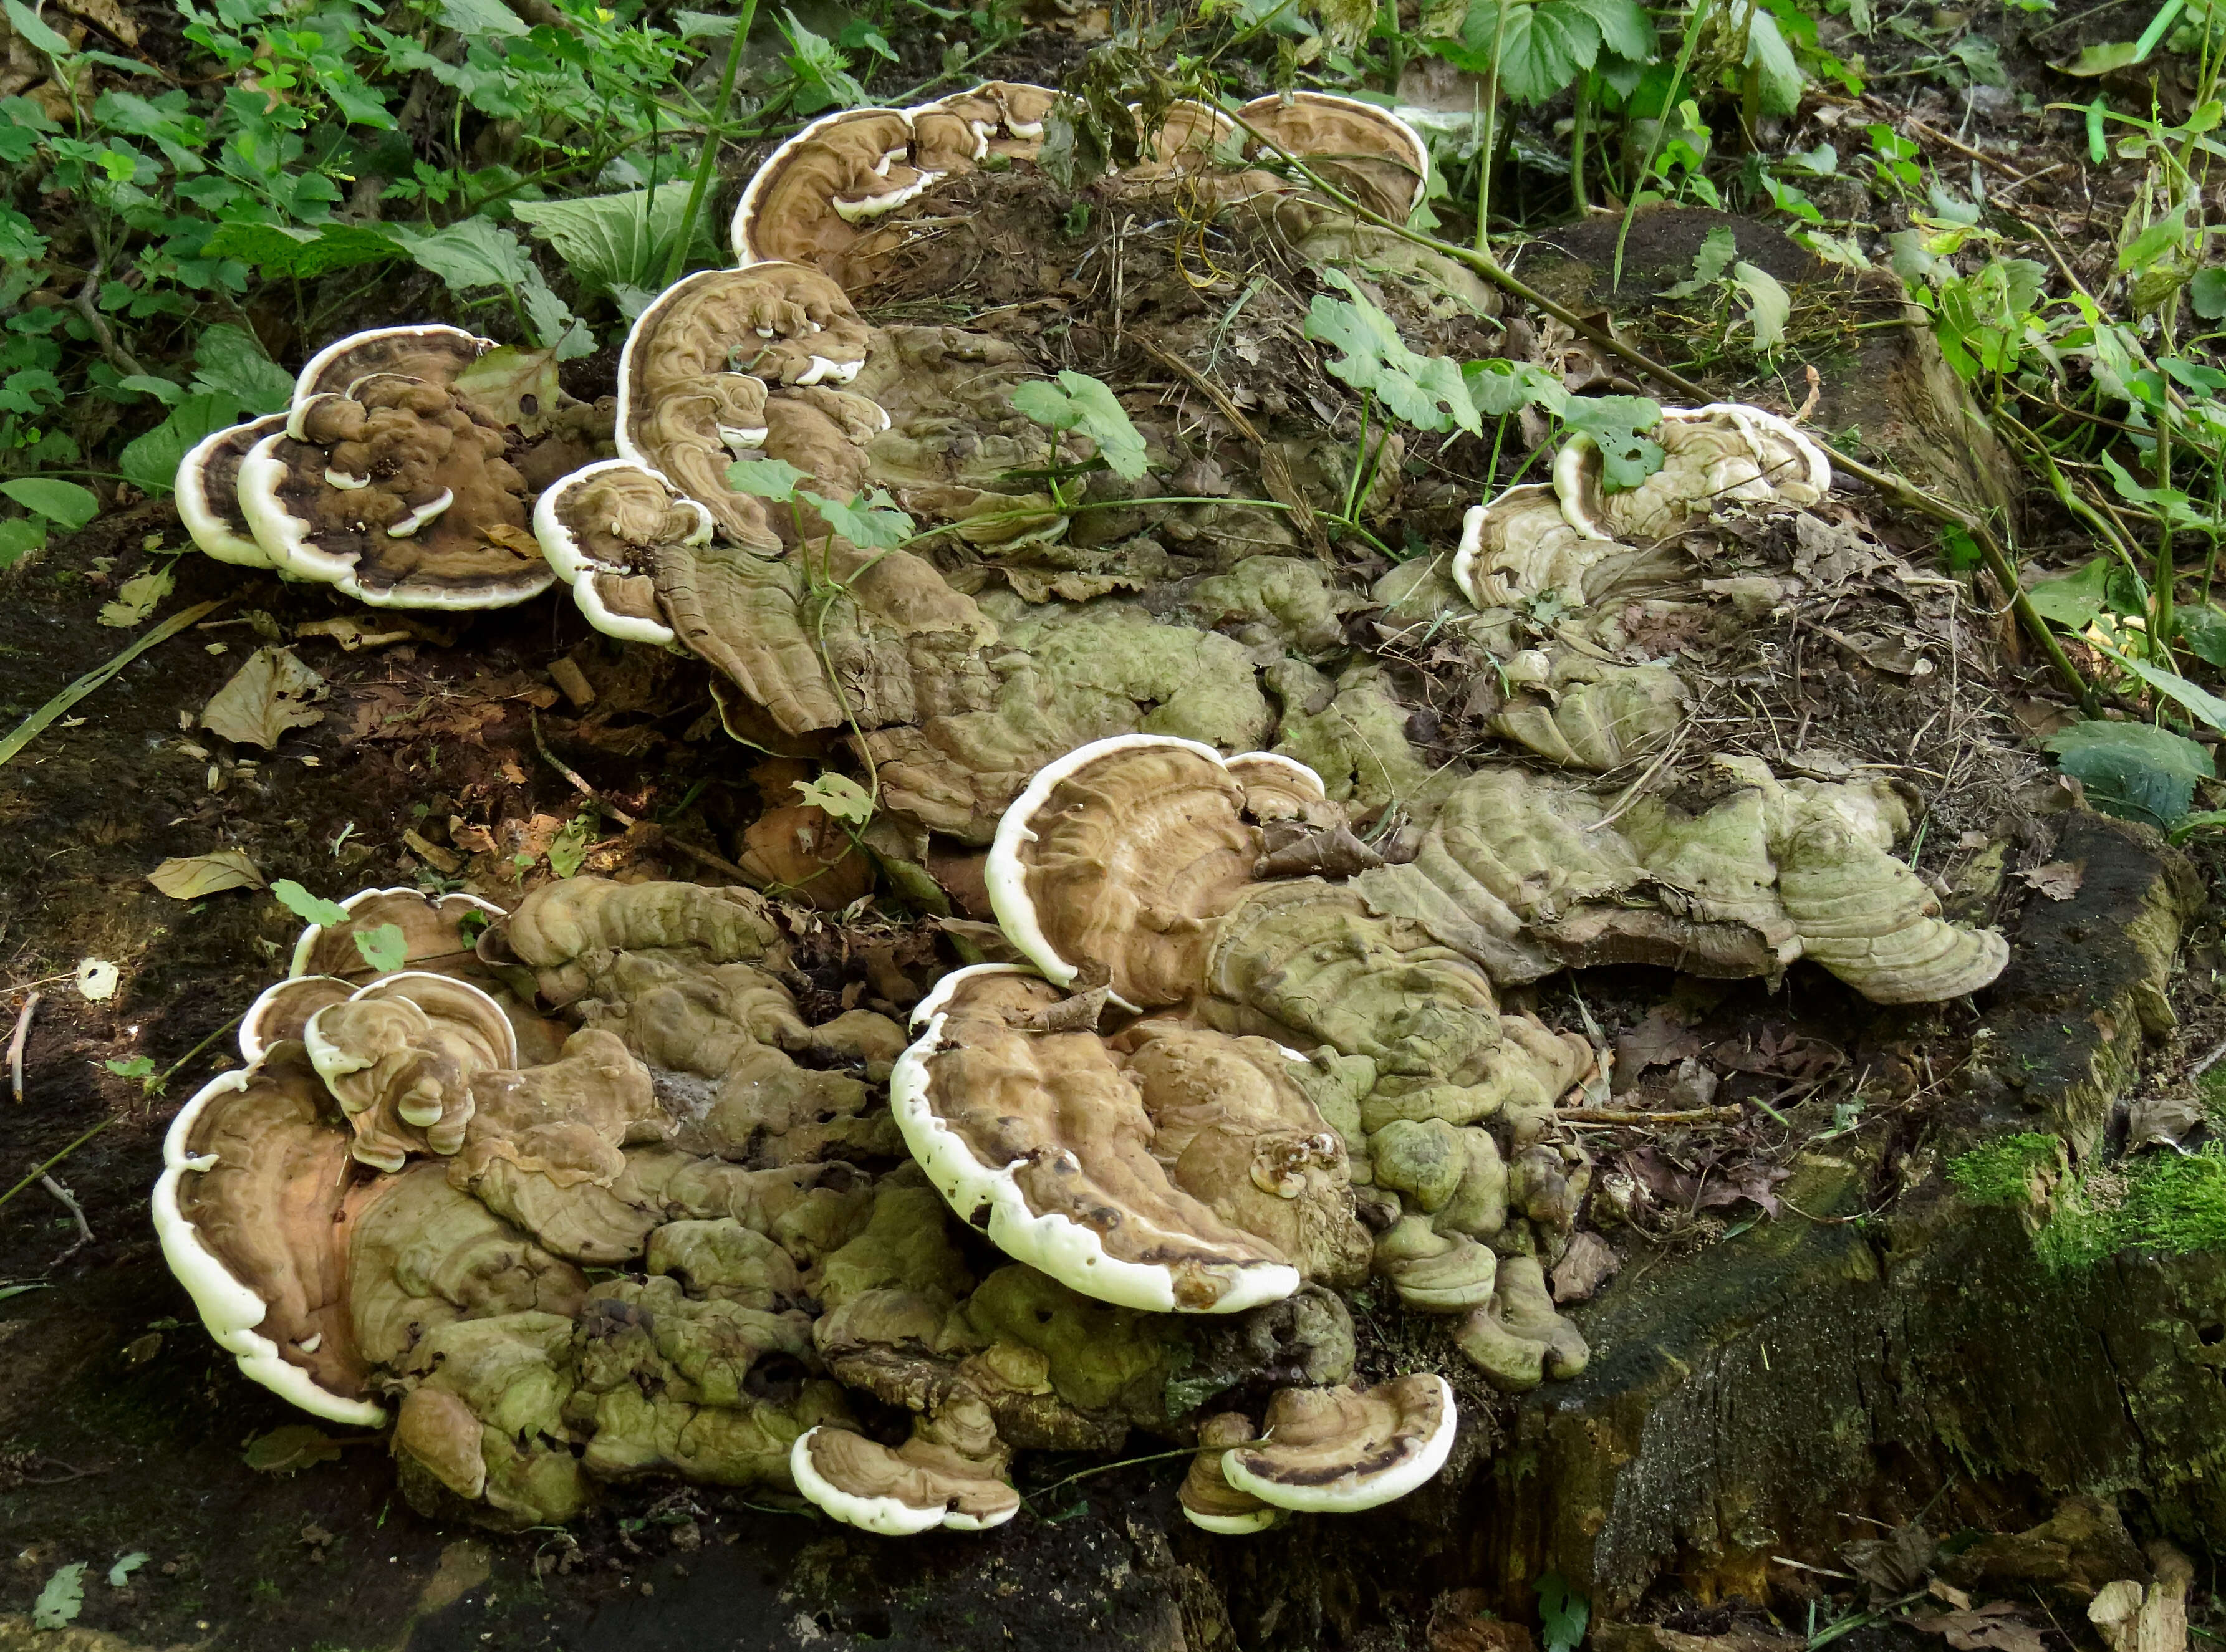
(913, 1488)
(208, 492)
(1209, 1502)
(1040, 1138)
(400, 1055)
(398, 493)
(1520, 545)
(602, 529)
(805, 204)
(282, 1011)
(1725, 451)
(1338, 1451)
(1368, 153)
(1124, 851)
(253, 1210)
(433, 933)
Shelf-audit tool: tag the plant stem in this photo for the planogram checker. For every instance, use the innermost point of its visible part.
(1579, 127)
(56, 1159)
(685, 237)
(2167, 572)
(1661, 125)
(1490, 152)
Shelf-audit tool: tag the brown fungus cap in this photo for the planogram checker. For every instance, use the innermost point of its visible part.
(208, 492)
(1368, 153)
(400, 493)
(426, 350)
(400, 1056)
(1042, 1137)
(1337, 1451)
(254, 1210)
(803, 205)
(913, 1488)
(1209, 1502)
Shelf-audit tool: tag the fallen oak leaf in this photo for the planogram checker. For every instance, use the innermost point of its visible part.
(2058, 880)
(271, 694)
(189, 877)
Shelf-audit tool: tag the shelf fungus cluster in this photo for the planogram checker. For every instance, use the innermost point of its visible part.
(403, 473)
(578, 1195)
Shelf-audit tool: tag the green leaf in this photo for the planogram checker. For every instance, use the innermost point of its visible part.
(1562, 1613)
(151, 460)
(1618, 424)
(482, 17)
(2203, 630)
(137, 1067)
(2153, 242)
(1777, 75)
(1499, 387)
(2207, 293)
(1078, 402)
(64, 504)
(230, 361)
(1768, 305)
(471, 253)
(168, 392)
(871, 521)
(610, 241)
(310, 909)
(1719, 248)
(384, 947)
(297, 1446)
(120, 1574)
(304, 254)
(2199, 701)
(2098, 59)
(39, 38)
(767, 479)
(840, 796)
(1540, 46)
(1428, 393)
(63, 1598)
(19, 537)
(1624, 28)
(2073, 599)
(568, 852)
(2132, 770)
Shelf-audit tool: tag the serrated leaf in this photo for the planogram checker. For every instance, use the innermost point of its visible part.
(610, 241)
(1540, 46)
(137, 598)
(274, 691)
(1426, 392)
(1563, 1613)
(1777, 76)
(230, 361)
(119, 1575)
(1619, 425)
(471, 253)
(482, 17)
(1624, 28)
(767, 479)
(1718, 248)
(151, 460)
(384, 947)
(871, 521)
(839, 796)
(63, 1598)
(297, 1446)
(1077, 402)
(568, 850)
(310, 909)
(2134, 770)
(2203, 630)
(64, 504)
(1768, 305)
(1499, 387)
(189, 877)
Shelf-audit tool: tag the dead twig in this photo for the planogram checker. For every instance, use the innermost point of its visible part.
(118, 358)
(1629, 1116)
(16, 1044)
(77, 1215)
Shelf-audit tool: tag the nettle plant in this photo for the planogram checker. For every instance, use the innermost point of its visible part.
(295, 161)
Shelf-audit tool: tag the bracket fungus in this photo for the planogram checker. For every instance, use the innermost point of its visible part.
(1368, 153)
(1338, 1451)
(925, 1483)
(1725, 451)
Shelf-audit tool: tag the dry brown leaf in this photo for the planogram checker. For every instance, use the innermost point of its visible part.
(2058, 880)
(189, 877)
(1991, 1628)
(272, 692)
(135, 599)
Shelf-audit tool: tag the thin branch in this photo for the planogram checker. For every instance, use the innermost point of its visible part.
(16, 1044)
(118, 357)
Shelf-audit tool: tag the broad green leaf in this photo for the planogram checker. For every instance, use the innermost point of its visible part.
(151, 460)
(2098, 59)
(2153, 242)
(2207, 293)
(871, 521)
(138, 1067)
(482, 17)
(1719, 248)
(2203, 630)
(2073, 599)
(559, 329)
(168, 392)
(1768, 305)
(2131, 769)
(610, 241)
(19, 537)
(1540, 46)
(471, 253)
(310, 909)
(63, 1598)
(1426, 392)
(230, 360)
(2198, 702)
(385, 947)
(305, 254)
(1078, 402)
(1617, 423)
(768, 479)
(1624, 28)
(840, 796)
(119, 1575)
(568, 852)
(1499, 387)
(1778, 76)
(64, 504)
(1562, 1613)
